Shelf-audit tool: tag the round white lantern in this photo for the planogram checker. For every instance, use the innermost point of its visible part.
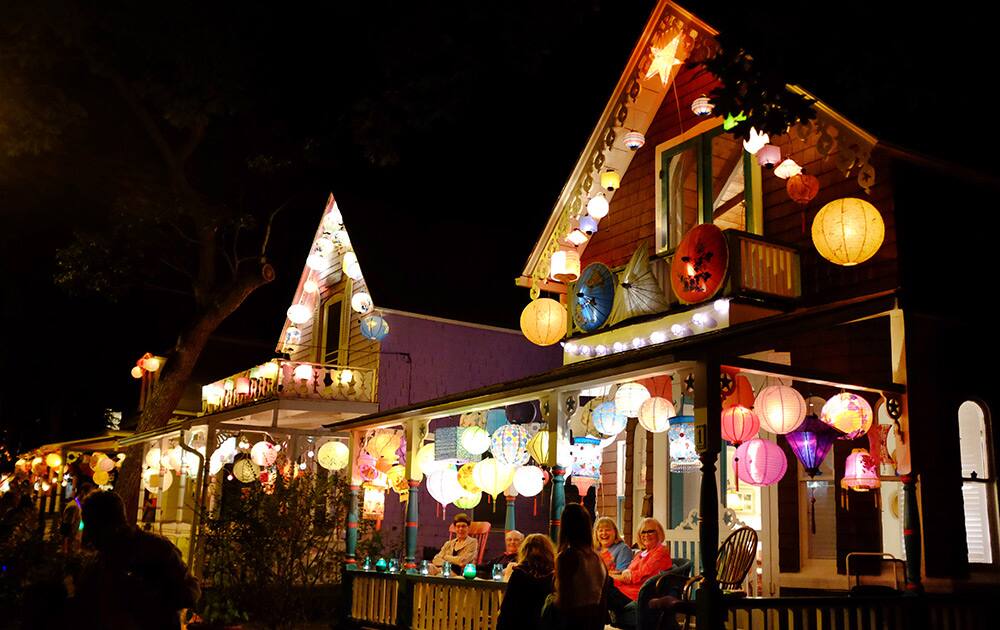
(351, 266)
(303, 371)
(153, 458)
(475, 440)
(629, 398)
(317, 261)
(781, 409)
(443, 486)
(528, 480)
(362, 303)
(333, 455)
(264, 453)
(310, 286)
(342, 238)
(598, 206)
(607, 419)
(333, 219)
(655, 414)
(492, 476)
(425, 463)
(299, 313)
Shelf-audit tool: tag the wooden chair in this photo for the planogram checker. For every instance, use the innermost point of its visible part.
(479, 530)
(736, 556)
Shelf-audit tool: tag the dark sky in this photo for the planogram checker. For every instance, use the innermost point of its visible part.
(462, 122)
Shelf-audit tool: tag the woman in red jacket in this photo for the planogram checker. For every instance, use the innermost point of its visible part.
(653, 558)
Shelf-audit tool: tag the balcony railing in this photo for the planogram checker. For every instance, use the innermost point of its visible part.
(280, 379)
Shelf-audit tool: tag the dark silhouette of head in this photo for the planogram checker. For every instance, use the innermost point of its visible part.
(575, 528)
(104, 519)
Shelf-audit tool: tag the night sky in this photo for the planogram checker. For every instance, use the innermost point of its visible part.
(446, 134)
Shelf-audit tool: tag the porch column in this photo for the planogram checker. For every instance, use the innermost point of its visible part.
(558, 500)
(912, 534)
(509, 523)
(416, 431)
(554, 411)
(708, 439)
(352, 511)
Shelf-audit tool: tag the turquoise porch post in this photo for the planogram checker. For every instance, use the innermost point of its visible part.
(509, 523)
(558, 500)
(415, 431)
(410, 561)
(911, 534)
(352, 528)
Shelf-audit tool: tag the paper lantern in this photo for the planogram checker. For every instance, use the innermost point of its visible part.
(860, 472)
(769, 155)
(528, 480)
(101, 477)
(469, 500)
(443, 485)
(629, 399)
(492, 476)
(374, 327)
(588, 224)
(373, 505)
(598, 207)
(243, 385)
(683, 453)
(107, 464)
(755, 141)
(172, 460)
(425, 462)
(215, 463)
(53, 460)
(848, 413)
(811, 442)
(577, 237)
(634, 140)
(586, 468)
(362, 303)
(802, 188)
(610, 179)
(473, 419)
(465, 478)
(523, 412)
(538, 447)
(303, 371)
(333, 455)
(655, 414)
(476, 440)
(702, 106)
(509, 445)
(787, 168)
(270, 370)
(317, 260)
(136, 372)
(333, 219)
(739, 424)
(564, 265)
(780, 409)
(299, 313)
(310, 286)
(543, 321)
(760, 462)
(264, 453)
(384, 443)
(495, 418)
(342, 238)
(848, 231)
(351, 266)
(700, 265)
(152, 459)
(607, 419)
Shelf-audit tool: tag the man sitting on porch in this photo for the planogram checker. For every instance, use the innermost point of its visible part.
(460, 550)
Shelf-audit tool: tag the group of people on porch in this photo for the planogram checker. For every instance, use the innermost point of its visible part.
(589, 576)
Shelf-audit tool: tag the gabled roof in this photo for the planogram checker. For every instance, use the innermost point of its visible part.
(632, 107)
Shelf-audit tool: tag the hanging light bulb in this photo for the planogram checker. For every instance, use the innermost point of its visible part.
(702, 106)
(299, 313)
(598, 206)
(610, 179)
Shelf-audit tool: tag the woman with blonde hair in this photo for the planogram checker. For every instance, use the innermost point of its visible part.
(653, 558)
(531, 581)
(609, 545)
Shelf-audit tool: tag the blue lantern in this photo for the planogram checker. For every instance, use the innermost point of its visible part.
(588, 224)
(606, 419)
(374, 327)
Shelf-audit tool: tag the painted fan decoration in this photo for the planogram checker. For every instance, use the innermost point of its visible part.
(638, 292)
(595, 294)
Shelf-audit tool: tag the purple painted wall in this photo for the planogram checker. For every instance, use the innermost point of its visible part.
(425, 358)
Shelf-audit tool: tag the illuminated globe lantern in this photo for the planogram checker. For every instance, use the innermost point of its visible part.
(466, 480)
(492, 476)
(610, 179)
(598, 207)
(739, 424)
(769, 155)
(528, 480)
(655, 414)
(509, 445)
(351, 266)
(683, 454)
(848, 413)
(362, 303)
(787, 168)
(607, 420)
(860, 472)
(629, 399)
(543, 321)
(760, 462)
(538, 447)
(299, 313)
(443, 486)
(588, 224)
(802, 188)
(848, 231)
(476, 440)
(264, 453)
(780, 409)
(374, 327)
(334, 455)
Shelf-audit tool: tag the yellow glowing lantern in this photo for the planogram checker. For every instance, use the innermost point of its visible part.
(655, 414)
(384, 444)
(269, 370)
(303, 371)
(245, 470)
(333, 455)
(781, 409)
(101, 477)
(610, 179)
(848, 231)
(151, 364)
(848, 413)
(565, 265)
(396, 478)
(492, 476)
(543, 321)
(137, 372)
(475, 440)
(465, 478)
(469, 500)
(539, 445)
(373, 507)
(53, 460)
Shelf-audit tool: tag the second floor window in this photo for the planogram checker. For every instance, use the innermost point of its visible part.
(978, 483)
(334, 349)
(702, 179)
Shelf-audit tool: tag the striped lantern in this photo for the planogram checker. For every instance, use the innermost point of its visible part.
(634, 140)
(629, 399)
(781, 409)
(739, 424)
(760, 462)
(655, 414)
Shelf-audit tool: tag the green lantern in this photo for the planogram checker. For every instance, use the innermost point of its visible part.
(469, 572)
(381, 565)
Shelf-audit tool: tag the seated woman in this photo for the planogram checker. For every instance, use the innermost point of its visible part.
(610, 546)
(653, 558)
(531, 581)
(460, 550)
(512, 543)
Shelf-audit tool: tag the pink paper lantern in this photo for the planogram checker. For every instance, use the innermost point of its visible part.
(860, 472)
(760, 462)
(739, 424)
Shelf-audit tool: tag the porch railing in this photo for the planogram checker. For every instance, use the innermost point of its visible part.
(280, 379)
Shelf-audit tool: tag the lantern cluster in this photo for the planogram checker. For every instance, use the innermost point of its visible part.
(147, 364)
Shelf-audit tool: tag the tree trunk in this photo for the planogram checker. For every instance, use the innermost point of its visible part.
(177, 371)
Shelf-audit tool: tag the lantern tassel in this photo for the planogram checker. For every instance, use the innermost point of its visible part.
(812, 510)
(534, 509)
(736, 469)
(378, 524)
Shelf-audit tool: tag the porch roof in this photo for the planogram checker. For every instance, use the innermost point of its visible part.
(726, 345)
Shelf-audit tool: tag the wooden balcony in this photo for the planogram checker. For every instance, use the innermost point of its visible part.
(279, 379)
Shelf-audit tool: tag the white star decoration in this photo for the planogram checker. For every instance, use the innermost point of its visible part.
(664, 60)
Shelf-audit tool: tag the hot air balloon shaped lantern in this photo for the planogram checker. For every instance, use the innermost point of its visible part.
(587, 458)
(683, 454)
(811, 442)
(860, 475)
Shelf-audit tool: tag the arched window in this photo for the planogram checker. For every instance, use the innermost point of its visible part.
(978, 483)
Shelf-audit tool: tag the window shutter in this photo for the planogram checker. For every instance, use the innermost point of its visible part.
(977, 524)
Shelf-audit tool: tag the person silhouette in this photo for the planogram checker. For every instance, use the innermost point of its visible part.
(136, 579)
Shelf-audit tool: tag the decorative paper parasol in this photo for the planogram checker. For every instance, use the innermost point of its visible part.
(595, 295)
(638, 291)
(700, 264)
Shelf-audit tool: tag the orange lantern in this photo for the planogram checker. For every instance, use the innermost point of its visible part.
(802, 188)
(700, 264)
(739, 424)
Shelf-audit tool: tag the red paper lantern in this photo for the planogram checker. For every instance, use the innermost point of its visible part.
(699, 267)
(739, 424)
(802, 188)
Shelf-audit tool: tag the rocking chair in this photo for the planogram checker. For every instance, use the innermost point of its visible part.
(480, 531)
(736, 557)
